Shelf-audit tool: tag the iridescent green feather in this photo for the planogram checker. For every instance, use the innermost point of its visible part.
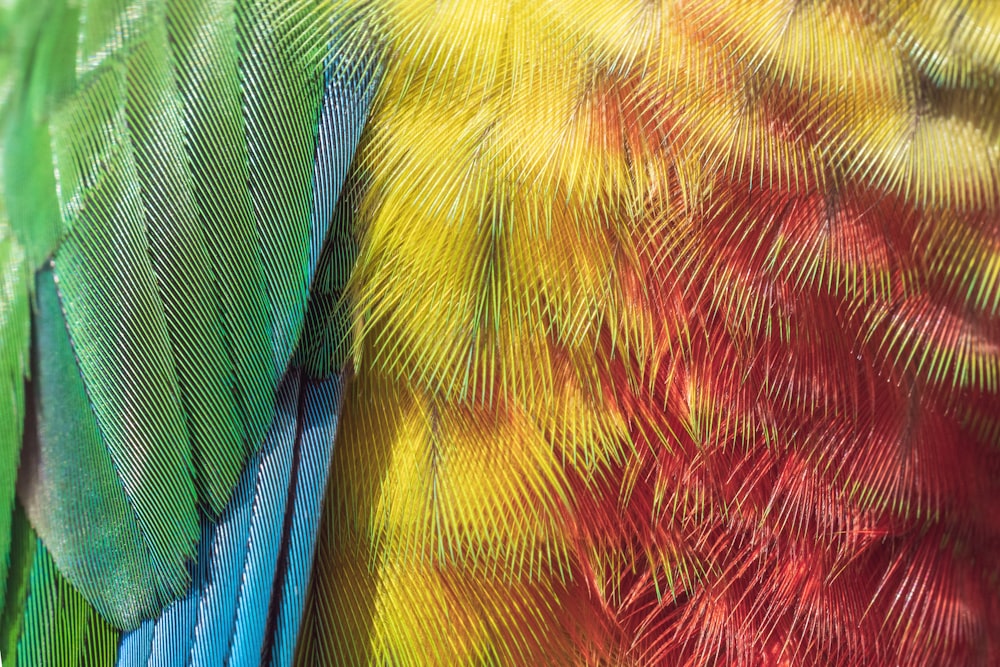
(120, 331)
(59, 627)
(204, 33)
(14, 338)
(174, 145)
(281, 81)
(22, 557)
(34, 62)
(44, 620)
(68, 463)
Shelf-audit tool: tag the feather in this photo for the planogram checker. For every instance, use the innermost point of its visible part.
(41, 69)
(48, 620)
(15, 326)
(670, 331)
(246, 601)
(193, 218)
(323, 348)
(69, 486)
(22, 554)
(22, 189)
(674, 323)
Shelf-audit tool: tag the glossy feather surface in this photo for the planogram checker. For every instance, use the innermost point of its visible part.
(190, 153)
(247, 564)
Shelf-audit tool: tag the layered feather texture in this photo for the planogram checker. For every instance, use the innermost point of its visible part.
(17, 192)
(14, 340)
(46, 622)
(250, 580)
(180, 161)
(245, 605)
(677, 338)
(675, 332)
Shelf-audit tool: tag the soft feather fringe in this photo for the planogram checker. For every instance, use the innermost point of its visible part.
(676, 338)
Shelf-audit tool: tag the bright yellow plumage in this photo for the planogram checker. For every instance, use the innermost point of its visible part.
(660, 310)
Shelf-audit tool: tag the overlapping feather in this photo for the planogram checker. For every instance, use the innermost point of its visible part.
(23, 188)
(46, 622)
(14, 340)
(676, 330)
(180, 162)
(246, 601)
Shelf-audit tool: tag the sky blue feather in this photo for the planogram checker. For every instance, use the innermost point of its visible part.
(224, 619)
(317, 447)
(264, 544)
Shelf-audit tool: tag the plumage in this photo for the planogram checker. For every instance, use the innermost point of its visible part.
(14, 341)
(182, 267)
(69, 485)
(682, 366)
(668, 332)
(58, 625)
(247, 564)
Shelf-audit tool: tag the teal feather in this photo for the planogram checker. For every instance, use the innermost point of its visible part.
(69, 486)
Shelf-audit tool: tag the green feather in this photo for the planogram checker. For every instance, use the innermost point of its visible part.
(179, 139)
(181, 262)
(22, 555)
(67, 464)
(42, 62)
(59, 627)
(119, 329)
(205, 33)
(35, 71)
(14, 339)
(281, 76)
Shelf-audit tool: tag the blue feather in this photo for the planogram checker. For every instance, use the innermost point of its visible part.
(347, 99)
(317, 448)
(135, 647)
(224, 617)
(265, 536)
